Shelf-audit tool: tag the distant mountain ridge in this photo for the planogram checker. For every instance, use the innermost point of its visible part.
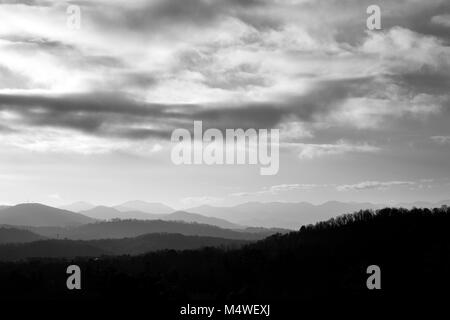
(108, 213)
(292, 215)
(36, 214)
(324, 262)
(13, 235)
(162, 241)
(281, 214)
(116, 229)
(284, 215)
(49, 249)
(106, 247)
(134, 205)
(197, 218)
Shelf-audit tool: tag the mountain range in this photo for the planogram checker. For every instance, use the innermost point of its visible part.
(108, 213)
(51, 248)
(134, 205)
(35, 214)
(284, 215)
(293, 215)
(14, 235)
(328, 261)
(117, 229)
(281, 214)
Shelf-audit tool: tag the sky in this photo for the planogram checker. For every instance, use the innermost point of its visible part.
(87, 111)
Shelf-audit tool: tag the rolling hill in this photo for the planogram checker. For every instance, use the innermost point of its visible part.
(108, 213)
(117, 229)
(35, 214)
(322, 262)
(198, 218)
(96, 248)
(13, 235)
(49, 249)
(162, 241)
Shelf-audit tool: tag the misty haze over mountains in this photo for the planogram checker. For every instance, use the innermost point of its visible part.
(34, 230)
(286, 215)
(327, 260)
(135, 205)
(39, 239)
(37, 230)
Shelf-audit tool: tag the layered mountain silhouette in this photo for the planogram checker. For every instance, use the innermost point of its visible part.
(252, 214)
(197, 218)
(13, 235)
(295, 214)
(35, 214)
(116, 229)
(135, 205)
(49, 249)
(107, 247)
(162, 241)
(108, 213)
(321, 262)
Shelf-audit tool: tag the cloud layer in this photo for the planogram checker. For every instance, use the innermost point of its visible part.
(136, 70)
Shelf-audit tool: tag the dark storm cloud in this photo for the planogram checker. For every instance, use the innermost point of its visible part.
(123, 80)
(88, 113)
(420, 20)
(136, 79)
(109, 113)
(156, 15)
(413, 15)
(348, 21)
(426, 79)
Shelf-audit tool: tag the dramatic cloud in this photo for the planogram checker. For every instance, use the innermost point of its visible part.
(138, 69)
(115, 114)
